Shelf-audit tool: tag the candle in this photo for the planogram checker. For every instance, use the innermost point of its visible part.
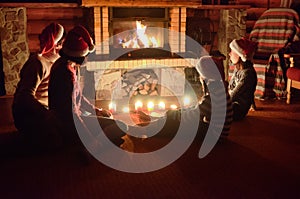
(150, 106)
(112, 107)
(173, 106)
(138, 105)
(186, 101)
(161, 106)
(125, 109)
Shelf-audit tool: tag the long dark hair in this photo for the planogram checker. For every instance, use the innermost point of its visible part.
(244, 64)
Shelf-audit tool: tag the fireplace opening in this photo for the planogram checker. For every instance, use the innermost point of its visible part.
(139, 32)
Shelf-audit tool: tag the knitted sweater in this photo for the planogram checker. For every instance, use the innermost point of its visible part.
(242, 86)
(31, 95)
(65, 94)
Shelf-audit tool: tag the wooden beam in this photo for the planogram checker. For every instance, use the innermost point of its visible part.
(141, 3)
(163, 3)
(40, 5)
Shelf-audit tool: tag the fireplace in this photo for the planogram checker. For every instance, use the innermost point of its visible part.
(140, 50)
(116, 29)
(141, 30)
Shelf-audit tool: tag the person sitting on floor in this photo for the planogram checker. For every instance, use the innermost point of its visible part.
(74, 111)
(216, 92)
(30, 103)
(243, 83)
(215, 100)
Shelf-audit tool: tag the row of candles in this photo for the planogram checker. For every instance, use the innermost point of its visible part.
(150, 106)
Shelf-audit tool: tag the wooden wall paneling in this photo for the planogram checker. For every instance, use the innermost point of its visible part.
(36, 26)
(252, 15)
(261, 3)
(39, 18)
(54, 13)
(40, 5)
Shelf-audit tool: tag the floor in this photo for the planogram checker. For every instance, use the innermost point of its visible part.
(260, 159)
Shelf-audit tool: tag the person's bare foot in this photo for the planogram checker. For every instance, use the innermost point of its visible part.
(253, 107)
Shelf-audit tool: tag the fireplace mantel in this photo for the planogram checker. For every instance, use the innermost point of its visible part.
(141, 3)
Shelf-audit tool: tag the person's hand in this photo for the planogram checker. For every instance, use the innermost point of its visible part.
(103, 113)
(140, 118)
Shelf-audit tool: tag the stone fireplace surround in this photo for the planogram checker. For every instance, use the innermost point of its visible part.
(108, 72)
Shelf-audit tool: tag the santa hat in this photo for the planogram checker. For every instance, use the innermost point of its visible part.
(78, 42)
(208, 69)
(50, 36)
(244, 48)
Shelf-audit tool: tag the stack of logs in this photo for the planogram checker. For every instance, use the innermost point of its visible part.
(139, 82)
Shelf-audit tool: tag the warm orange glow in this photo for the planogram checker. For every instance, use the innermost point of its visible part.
(112, 107)
(173, 106)
(141, 39)
(161, 106)
(150, 106)
(186, 101)
(138, 105)
(125, 109)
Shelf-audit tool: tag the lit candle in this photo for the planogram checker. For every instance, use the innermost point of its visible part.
(173, 106)
(161, 106)
(138, 105)
(125, 109)
(150, 106)
(112, 107)
(186, 101)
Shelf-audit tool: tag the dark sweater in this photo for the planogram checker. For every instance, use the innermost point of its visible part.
(242, 87)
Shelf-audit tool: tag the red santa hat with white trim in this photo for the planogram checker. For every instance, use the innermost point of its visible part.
(78, 42)
(50, 36)
(244, 48)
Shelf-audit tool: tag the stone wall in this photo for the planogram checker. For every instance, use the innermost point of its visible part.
(232, 26)
(14, 45)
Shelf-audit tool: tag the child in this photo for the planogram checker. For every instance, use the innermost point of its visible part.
(215, 96)
(243, 83)
(215, 105)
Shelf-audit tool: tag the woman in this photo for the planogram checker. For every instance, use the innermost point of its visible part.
(74, 111)
(30, 106)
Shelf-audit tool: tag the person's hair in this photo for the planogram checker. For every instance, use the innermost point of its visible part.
(243, 65)
(62, 38)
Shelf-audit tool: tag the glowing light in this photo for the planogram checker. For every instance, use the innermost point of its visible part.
(125, 109)
(150, 106)
(138, 105)
(112, 107)
(186, 101)
(161, 106)
(173, 106)
(141, 39)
